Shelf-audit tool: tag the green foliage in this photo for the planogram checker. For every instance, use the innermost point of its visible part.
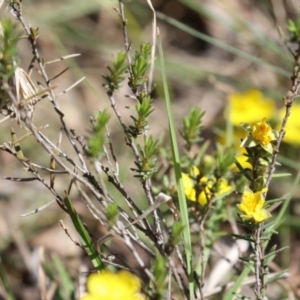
(8, 50)
(116, 73)
(178, 176)
(276, 276)
(34, 32)
(249, 262)
(139, 67)
(259, 159)
(237, 284)
(225, 159)
(207, 164)
(200, 224)
(294, 29)
(143, 108)
(5, 282)
(242, 297)
(112, 213)
(87, 242)
(159, 268)
(176, 235)
(146, 166)
(259, 183)
(8, 54)
(192, 127)
(66, 288)
(98, 136)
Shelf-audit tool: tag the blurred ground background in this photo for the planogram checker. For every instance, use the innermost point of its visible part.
(199, 72)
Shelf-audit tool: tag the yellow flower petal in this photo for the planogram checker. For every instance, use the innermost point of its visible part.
(250, 106)
(189, 190)
(113, 286)
(99, 283)
(133, 284)
(206, 194)
(292, 128)
(195, 171)
(242, 160)
(262, 132)
(202, 198)
(89, 297)
(252, 206)
(224, 187)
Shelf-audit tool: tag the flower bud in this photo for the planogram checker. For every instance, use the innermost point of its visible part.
(207, 164)
(259, 183)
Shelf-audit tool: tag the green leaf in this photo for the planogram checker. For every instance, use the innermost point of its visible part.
(112, 213)
(249, 264)
(246, 127)
(98, 136)
(242, 237)
(230, 294)
(275, 200)
(272, 253)
(291, 26)
(192, 127)
(65, 281)
(240, 296)
(281, 175)
(116, 73)
(175, 236)
(87, 242)
(146, 166)
(276, 276)
(160, 272)
(248, 142)
(177, 167)
(6, 285)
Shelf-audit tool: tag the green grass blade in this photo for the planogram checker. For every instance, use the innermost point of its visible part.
(294, 165)
(223, 46)
(65, 281)
(280, 175)
(85, 237)
(286, 203)
(5, 282)
(277, 276)
(238, 282)
(177, 167)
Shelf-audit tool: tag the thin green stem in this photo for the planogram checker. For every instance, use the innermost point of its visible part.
(177, 167)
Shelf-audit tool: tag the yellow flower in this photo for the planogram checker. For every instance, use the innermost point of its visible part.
(206, 194)
(242, 160)
(113, 286)
(250, 106)
(238, 135)
(252, 206)
(262, 133)
(292, 128)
